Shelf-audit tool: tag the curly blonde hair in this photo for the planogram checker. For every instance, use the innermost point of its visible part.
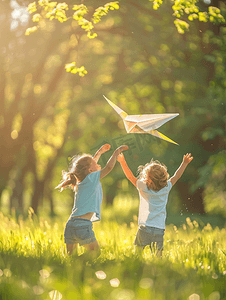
(78, 170)
(155, 171)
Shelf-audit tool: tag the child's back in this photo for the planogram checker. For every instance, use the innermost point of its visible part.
(154, 186)
(84, 177)
(152, 208)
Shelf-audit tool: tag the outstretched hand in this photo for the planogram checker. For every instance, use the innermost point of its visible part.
(121, 148)
(111, 162)
(105, 148)
(187, 158)
(120, 158)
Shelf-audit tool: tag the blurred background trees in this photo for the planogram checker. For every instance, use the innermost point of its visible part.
(138, 60)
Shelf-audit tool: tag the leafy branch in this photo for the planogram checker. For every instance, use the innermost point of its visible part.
(44, 9)
(191, 9)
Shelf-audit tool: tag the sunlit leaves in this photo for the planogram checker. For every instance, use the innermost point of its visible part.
(181, 26)
(32, 7)
(191, 9)
(55, 10)
(203, 17)
(193, 17)
(62, 6)
(80, 11)
(103, 10)
(48, 5)
(36, 18)
(156, 3)
(31, 30)
(48, 10)
(185, 6)
(91, 35)
(215, 15)
(73, 69)
(86, 25)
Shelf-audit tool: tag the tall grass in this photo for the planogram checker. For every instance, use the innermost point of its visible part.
(34, 263)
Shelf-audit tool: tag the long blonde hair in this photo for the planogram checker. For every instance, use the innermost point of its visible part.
(155, 171)
(78, 170)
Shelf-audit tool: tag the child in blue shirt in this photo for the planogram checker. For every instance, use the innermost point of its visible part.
(153, 186)
(84, 178)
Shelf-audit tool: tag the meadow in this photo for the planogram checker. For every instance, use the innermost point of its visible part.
(34, 264)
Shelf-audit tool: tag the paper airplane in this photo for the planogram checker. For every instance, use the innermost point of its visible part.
(144, 123)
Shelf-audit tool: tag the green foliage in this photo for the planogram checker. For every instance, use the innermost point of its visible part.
(102, 11)
(215, 15)
(213, 173)
(191, 9)
(213, 178)
(181, 26)
(32, 7)
(139, 62)
(31, 30)
(54, 10)
(34, 263)
(73, 69)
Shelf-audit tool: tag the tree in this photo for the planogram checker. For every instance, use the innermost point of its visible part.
(165, 69)
(139, 61)
(30, 138)
(22, 102)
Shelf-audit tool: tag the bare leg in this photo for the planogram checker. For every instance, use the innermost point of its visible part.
(92, 246)
(93, 249)
(71, 248)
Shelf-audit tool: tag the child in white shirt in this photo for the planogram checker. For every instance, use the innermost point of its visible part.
(154, 186)
(84, 178)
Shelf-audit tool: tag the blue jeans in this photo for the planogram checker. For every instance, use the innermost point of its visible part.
(150, 236)
(80, 231)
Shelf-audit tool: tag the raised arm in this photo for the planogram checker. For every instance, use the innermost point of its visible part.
(102, 150)
(111, 162)
(126, 169)
(177, 175)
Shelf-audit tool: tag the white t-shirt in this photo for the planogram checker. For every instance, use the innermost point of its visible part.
(152, 209)
(88, 197)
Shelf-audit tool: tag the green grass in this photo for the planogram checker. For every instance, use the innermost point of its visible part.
(34, 264)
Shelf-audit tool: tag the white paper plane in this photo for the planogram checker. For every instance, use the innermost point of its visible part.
(144, 123)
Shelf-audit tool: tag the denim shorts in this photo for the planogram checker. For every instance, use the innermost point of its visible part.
(150, 236)
(78, 230)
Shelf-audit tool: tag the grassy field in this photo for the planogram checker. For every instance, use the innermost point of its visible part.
(34, 264)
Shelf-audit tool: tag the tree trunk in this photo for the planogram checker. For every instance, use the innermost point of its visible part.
(52, 209)
(1, 190)
(49, 196)
(38, 193)
(16, 199)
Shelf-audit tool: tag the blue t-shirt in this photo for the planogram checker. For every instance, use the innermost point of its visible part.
(152, 209)
(88, 197)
